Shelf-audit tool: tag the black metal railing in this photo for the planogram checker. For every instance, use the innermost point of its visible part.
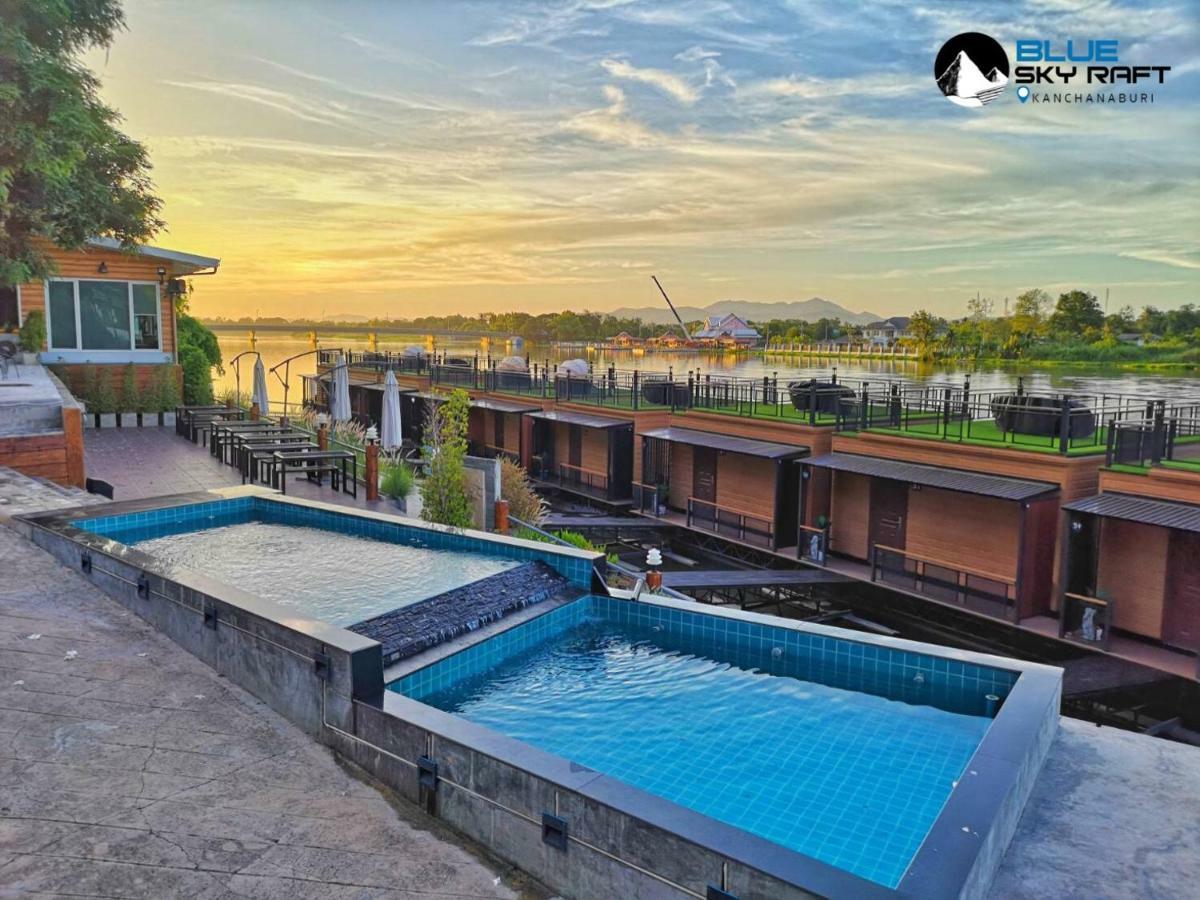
(972, 589)
(587, 481)
(733, 523)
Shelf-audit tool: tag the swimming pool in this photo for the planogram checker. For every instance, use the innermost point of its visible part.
(337, 567)
(841, 751)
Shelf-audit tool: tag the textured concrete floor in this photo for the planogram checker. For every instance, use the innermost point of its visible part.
(133, 770)
(1113, 815)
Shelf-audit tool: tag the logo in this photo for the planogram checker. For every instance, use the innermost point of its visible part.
(971, 69)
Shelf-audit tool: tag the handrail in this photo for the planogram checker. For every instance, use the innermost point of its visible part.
(943, 564)
(1083, 598)
(583, 469)
(732, 509)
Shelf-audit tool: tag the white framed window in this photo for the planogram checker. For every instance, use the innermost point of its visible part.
(103, 316)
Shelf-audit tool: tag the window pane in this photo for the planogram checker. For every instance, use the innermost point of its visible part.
(104, 315)
(62, 315)
(8, 308)
(145, 317)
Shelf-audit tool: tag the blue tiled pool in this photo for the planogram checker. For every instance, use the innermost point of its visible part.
(338, 567)
(843, 751)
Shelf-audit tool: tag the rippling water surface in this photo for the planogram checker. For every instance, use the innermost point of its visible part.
(853, 779)
(340, 578)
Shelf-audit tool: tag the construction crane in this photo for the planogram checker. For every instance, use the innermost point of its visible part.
(674, 312)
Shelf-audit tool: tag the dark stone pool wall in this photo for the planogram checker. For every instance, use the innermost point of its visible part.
(407, 631)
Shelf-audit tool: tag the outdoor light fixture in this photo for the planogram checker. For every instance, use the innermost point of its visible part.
(102, 268)
(162, 274)
(372, 434)
(322, 419)
(654, 557)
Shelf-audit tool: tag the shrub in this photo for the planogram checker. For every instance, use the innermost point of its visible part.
(167, 389)
(444, 495)
(524, 502)
(131, 400)
(396, 479)
(197, 375)
(105, 397)
(33, 332)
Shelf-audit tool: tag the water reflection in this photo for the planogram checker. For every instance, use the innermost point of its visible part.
(1080, 379)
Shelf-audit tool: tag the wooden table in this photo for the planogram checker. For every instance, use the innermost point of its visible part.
(317, 462)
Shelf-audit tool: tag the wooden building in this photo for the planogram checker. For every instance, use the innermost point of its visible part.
(106, 306)
(743, 489)
(979, 540)
(1132, 557)
(581, 452)
(495, 427)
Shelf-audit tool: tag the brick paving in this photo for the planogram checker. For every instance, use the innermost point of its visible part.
(150, 462)
(130, 769)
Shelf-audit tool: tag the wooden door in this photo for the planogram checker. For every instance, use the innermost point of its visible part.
(1181, 603)
(889, 512)
(704, 474)
(575, 445)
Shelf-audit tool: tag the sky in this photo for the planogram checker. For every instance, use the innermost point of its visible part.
(398, 159)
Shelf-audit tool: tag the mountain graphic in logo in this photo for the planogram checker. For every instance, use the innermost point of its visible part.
(960, 65)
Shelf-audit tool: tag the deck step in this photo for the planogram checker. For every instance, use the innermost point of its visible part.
(21, 493)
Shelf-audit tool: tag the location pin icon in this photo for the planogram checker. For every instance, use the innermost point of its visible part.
(1022, 93)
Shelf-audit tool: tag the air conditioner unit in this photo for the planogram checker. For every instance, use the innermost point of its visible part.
(176, 286)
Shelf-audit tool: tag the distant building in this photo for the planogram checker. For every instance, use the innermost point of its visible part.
(625, 339)
(728, 329)
(887, 331)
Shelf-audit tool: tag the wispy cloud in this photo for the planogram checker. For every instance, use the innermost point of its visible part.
(667, 82)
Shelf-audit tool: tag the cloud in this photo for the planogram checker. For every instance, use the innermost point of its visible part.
(1163, 257)
(664, 81)
(696, 54)
(609, 125)
(280, 101)
(809, 88)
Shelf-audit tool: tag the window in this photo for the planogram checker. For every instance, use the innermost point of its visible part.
(63, 334)
(103, 315)
(9, 313)
(145, 317)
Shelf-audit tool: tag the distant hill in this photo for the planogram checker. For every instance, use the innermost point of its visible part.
(809, 310)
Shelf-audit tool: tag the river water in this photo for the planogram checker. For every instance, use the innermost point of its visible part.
(1074, 378)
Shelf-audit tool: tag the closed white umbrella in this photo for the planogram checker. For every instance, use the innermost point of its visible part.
(389, 425)
(339, 403)
(259, 394)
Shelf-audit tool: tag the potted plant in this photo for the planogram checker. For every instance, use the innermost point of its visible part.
(105, 399)
(33, 336)
(396, 481)
(131, 400)
(167, 395)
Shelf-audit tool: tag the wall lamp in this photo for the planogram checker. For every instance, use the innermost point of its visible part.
(162, 274)
(102, 268)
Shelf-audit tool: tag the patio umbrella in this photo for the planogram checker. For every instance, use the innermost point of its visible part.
(259, 394)
(339, 403)
(389, 425)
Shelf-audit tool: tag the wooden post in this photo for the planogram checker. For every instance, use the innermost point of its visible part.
(254, 412)
(322, 436)
(372, 475)
(502, 516)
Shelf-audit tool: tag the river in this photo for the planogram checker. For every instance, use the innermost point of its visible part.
(1073, 378)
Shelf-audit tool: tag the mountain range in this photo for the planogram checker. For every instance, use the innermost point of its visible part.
(809, 310)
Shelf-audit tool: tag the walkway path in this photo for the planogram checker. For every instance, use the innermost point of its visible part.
(150, 462)
(130, 769)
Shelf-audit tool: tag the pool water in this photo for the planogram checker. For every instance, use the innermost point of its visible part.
(850, 778)
(339, 578)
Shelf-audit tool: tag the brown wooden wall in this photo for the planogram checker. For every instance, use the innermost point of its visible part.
(57, 455)
(746, 484)
(1133, 572)
(964, 530)
(849, 515)
(1163, 484)
(681, 475)
(121, 267)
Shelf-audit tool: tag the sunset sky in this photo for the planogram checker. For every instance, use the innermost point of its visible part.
(407, 158)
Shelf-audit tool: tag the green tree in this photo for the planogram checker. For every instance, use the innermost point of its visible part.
(444, 495)
(1077, 315)
(67, 173)
(923, 328)
(1029, 315)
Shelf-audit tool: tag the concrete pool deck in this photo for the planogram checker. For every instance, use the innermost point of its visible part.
(134, 770)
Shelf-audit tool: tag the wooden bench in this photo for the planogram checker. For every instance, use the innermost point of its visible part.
(255, 461)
